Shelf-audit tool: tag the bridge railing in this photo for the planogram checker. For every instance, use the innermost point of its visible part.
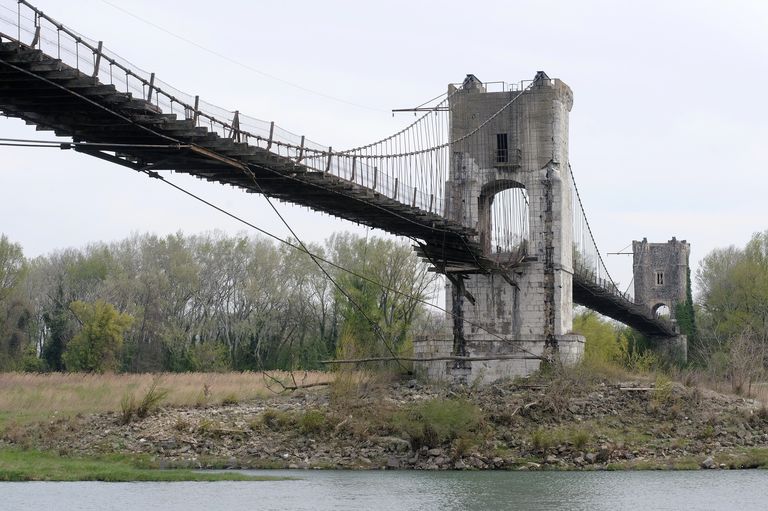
(588, 263)
(605, 283)
(29, 26)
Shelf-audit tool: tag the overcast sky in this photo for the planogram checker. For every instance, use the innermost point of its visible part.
(668, 127)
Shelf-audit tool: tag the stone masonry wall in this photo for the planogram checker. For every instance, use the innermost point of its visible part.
(571, 349)
(520, 311)
(537, 128)
(666, 261)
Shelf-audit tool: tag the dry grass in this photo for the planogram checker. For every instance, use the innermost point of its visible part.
(760, 391)
(701, 378)
(28, 396)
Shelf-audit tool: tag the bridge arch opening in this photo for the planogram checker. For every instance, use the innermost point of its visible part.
(661, 310)
(505, 219)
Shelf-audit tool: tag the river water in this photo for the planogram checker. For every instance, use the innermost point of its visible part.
(415, 490)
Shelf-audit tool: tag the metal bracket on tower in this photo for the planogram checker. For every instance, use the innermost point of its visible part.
(458, 281)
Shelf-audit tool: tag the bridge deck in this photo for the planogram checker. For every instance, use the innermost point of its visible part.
(122, 129)
(53, 96)
(588, 293)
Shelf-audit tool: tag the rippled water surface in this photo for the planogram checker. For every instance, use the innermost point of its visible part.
(445, 491)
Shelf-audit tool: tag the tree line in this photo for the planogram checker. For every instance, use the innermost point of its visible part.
(726, 325)
(216, 302)
(208, 302)
(732, 312)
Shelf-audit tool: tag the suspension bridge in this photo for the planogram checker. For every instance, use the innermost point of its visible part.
(480, 181)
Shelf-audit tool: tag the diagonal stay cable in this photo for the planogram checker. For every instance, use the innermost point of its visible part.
(301, 248)
(374, 325)
(317, 258)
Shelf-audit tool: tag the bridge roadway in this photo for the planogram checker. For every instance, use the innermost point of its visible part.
(117, 127)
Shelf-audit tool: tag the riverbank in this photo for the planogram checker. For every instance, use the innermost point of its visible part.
(27, 465)
(574, 420)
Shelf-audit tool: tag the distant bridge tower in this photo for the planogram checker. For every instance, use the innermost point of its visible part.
(660, 272)
(510, 181)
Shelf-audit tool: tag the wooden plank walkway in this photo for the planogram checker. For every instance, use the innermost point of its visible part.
(129, 131)
(53, 96)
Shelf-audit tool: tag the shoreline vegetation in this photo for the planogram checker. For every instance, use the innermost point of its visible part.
(580, 418)
(18, 465)
(98, 348)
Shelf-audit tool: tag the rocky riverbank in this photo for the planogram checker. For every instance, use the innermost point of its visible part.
(566, 422)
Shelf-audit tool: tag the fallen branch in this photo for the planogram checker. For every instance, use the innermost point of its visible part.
(525, 407)
(432, 359)
(305, 385)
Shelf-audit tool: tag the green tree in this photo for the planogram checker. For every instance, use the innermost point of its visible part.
(15, 312)
(604, 340)
(382, 307)
(733, 286)
(96, 348)
(58, 322)
(15, 316)
(12, 267)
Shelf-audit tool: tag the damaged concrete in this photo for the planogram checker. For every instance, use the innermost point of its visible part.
(523, 310)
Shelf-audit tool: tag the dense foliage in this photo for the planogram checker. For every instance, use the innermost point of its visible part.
(685, 313)
(733, 285)
(609, 343)
(733, 312)
(215, 302)
(205, 302)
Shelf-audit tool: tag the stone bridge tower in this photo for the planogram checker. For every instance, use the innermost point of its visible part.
(660, 272)
(521, 308)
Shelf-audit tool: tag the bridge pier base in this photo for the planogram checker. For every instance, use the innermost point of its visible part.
(490, 359)
(671, 350)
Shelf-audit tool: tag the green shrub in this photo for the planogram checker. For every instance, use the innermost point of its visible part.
(97, 347)
(149, 404)
(437, 421)
(277, 420)
(127, 408)
(312, 422)
(462, 446)
(580, 438)
(151, 401)
(662, 391)
(603, 342)
(542, 439)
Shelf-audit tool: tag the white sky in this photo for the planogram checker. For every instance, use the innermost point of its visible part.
(668, 128)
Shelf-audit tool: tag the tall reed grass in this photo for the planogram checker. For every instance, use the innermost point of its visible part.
(31, 396)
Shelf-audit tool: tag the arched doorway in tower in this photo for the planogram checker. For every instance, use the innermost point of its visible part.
(505, 220)
(661, 310)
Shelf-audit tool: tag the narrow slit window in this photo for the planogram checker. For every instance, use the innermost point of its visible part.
(502, 151)
(659, 278)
